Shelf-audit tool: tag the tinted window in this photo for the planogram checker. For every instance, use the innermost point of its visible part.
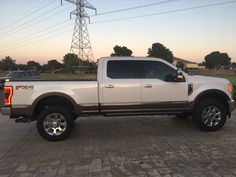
(123, 69)
(158, 70)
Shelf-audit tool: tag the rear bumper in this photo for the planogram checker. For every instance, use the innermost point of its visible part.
(231, 105)
(6, 111)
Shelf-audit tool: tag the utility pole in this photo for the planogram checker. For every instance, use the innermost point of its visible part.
(80, 44)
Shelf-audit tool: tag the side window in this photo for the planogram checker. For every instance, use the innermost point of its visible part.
(123, 69)
(158, 70)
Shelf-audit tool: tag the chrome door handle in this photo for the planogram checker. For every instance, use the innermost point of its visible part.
(148, 86)
(109, 86)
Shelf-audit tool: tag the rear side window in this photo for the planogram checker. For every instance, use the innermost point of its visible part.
(123, 69)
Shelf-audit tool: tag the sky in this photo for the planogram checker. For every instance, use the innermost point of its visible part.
(42, 30)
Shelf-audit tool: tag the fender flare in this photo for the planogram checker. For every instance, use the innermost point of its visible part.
(56, 94)
(209, 92)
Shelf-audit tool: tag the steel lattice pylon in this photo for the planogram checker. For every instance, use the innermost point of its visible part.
(80, 44)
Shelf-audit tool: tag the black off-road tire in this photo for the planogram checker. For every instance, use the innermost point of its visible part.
(200, 110)
(55, 111)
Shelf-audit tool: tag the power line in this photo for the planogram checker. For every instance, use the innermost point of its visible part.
(15, 9)
(21, 25)
(34, 11)
(164, 12)
(132, 17)
(15, 30)
(136, 7)
(29, 37)
(46, 38)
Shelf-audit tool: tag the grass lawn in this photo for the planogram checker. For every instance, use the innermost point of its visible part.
(230, 77)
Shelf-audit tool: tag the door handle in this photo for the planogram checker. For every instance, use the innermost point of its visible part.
(109, 86)
(148, 86)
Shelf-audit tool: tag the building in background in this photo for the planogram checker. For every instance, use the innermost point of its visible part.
(187, 64)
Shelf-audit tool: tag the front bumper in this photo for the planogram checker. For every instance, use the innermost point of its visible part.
(6, 111)
(231, 105)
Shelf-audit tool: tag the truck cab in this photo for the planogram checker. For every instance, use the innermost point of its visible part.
(141, 85)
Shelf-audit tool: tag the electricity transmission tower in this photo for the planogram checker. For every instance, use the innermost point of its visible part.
(80, 44)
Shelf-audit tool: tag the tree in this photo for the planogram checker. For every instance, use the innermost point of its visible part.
(180, 64)
(217, 59)
(70, 60)
(53, 64)
(8, 64)
(33, 65)
(121, 51)
(22, 67)
(160, 51)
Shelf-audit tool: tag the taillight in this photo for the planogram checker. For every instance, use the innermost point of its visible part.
(8, 92)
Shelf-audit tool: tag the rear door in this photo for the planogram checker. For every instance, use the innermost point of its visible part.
(121, 87)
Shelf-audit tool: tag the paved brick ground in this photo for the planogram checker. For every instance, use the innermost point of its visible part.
(119, 147)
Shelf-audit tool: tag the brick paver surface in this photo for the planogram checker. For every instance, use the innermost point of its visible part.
(120, 146)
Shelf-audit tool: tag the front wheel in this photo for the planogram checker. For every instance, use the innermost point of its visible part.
(210, 115)
(55, 123)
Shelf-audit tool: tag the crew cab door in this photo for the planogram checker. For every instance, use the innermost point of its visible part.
(159, 90)
(121, 87)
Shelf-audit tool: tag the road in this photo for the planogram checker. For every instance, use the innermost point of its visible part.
(119, 147)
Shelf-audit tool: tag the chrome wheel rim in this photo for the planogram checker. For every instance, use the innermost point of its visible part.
(55, 124)
(211, 116)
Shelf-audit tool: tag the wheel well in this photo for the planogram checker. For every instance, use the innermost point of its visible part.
(221, 97)
(52, 100)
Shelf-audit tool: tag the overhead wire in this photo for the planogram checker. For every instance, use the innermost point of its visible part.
(31, 13)
(46, 38)
(14, 30)
(35, 35)
(16, 9)
(139, 16)
(32, 24)
(164, 12)
(136, 7)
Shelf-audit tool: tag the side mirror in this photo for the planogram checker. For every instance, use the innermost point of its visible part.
(179, 76)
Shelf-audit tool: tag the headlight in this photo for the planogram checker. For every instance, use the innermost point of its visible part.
(230, 88)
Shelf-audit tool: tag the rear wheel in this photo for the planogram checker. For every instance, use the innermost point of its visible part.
(55, 123)
(210, 115)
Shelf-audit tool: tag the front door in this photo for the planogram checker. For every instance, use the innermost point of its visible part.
(159, 91)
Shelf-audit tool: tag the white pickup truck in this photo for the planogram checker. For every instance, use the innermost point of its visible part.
(124, 86)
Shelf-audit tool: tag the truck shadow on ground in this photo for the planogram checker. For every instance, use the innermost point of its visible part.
(133, 126)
